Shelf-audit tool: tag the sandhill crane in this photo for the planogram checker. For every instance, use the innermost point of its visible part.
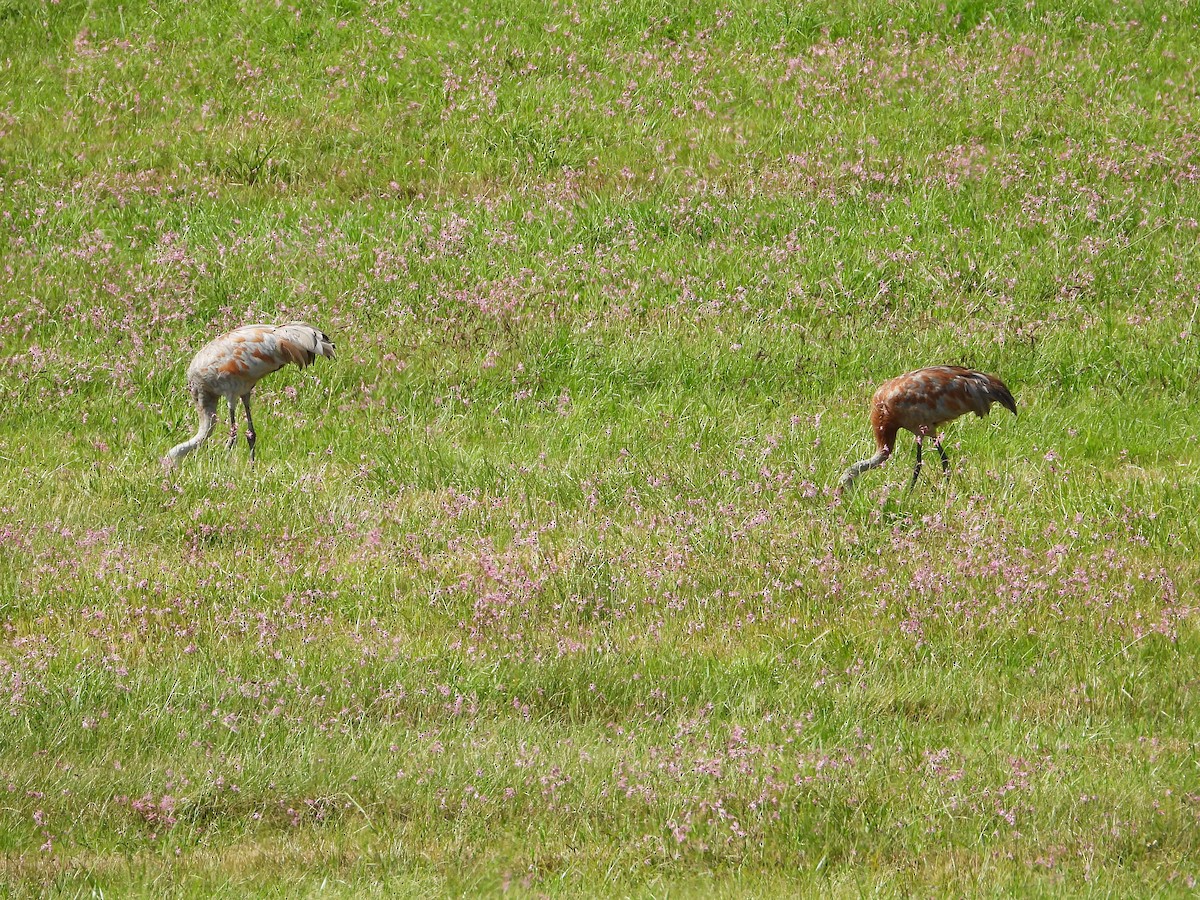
(231, 365)
(922, 402)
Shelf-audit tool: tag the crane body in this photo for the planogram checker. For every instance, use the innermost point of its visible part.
(922, 402)
(231, 365)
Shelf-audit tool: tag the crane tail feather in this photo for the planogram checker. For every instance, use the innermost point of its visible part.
(999, 393)
(303, 344)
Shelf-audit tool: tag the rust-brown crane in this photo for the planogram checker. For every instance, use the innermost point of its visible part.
(922, 402)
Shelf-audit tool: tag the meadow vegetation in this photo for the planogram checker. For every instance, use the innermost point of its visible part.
(541, 584)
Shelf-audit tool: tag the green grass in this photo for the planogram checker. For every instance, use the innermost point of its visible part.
(541, 585)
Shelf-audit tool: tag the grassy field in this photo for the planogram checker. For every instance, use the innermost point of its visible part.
(541, 585)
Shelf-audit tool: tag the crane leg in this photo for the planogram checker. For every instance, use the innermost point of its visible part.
(232, 425)
(250, 435)
(917, 467)
(945, 458)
